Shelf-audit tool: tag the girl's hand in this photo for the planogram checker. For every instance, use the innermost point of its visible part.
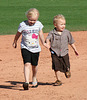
(18, 34)
(14, 44)
(47, 45)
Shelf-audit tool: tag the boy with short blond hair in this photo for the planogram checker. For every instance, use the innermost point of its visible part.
(58, 40)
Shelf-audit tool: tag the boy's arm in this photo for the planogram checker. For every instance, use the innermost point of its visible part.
(74, 48)
(18, 34)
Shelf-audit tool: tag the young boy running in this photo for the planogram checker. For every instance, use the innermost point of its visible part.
(58, 40)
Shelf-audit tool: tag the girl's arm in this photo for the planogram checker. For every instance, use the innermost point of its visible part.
(48, 43)
(18, 34)
(42, 39)
(74, 48)
(41, 36)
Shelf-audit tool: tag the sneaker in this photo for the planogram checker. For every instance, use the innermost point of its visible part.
(35, 84)
(57, 83)
(25, 86)
(68, 74)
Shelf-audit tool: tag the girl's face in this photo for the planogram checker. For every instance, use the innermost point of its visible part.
(60, 25)
(32, 20)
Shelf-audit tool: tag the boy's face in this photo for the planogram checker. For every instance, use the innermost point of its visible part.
(60, 25)
(32, 20)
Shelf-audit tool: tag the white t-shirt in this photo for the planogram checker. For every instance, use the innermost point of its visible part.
(30, 36)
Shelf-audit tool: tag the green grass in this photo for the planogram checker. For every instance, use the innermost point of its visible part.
(12, 12)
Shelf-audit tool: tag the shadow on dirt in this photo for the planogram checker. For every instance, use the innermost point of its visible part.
(15, 85)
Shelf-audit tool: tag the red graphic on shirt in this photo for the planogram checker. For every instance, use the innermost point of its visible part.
(34, 36)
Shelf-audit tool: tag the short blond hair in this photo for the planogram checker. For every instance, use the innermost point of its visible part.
(32, 12)
(57, 17)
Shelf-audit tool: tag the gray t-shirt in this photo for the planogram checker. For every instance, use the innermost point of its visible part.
(30, 36)
(59, 43)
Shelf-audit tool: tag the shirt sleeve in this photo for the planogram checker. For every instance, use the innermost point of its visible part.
(41, 26)
(70, 39)
(20, 28)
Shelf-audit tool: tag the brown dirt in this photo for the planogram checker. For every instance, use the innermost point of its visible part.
(11, 73)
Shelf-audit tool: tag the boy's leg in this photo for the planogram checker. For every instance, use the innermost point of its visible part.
(58, 82)
(57, 75)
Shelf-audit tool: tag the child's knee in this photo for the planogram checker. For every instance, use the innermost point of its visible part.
(27, 64)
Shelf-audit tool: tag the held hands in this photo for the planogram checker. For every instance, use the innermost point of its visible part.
(47, 45)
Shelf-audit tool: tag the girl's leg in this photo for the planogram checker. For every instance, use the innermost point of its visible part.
(27, 72)
(34, 73)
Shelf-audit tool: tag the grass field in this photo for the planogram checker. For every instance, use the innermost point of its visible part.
(12, 12)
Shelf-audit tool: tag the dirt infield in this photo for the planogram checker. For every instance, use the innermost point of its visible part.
(11, 73)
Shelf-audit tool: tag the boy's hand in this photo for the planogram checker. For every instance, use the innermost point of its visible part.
(76, 53)
(47, 45)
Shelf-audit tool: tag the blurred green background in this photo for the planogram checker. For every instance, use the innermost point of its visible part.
(12, 12)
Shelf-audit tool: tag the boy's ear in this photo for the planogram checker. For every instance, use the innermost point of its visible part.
(55, 24)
